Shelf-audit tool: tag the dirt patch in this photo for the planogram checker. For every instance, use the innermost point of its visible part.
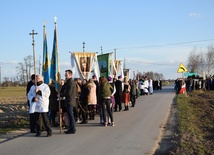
(13, 113)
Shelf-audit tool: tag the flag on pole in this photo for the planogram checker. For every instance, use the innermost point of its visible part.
(55, 66)
(55, 71)
(46, 60)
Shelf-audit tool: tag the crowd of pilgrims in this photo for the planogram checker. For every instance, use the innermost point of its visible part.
(95, 98)
(194, 83)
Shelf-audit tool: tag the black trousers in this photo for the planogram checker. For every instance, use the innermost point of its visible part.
(45, 121)
(133, 99)
(118, 102)
(106, 107)
(91, 111)
(84, 111)
(32, 122)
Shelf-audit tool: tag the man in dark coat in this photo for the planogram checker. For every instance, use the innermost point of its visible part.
(70, 100)
(118, 94)
(53, 104)
(32, 118)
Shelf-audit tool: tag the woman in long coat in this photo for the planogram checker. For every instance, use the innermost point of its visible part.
(92, 98)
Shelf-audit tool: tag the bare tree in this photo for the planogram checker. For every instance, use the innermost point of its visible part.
(193, 61)
(156, 76)
(6, 81)
(150, 74)
(21, 72)
(209, 58)
(201, 63)
(24, 69)
(28, 65)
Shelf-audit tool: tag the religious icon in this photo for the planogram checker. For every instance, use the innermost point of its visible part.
(103, 66)
(84, 64)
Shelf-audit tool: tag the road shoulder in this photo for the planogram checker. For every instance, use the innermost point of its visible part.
(169, 133)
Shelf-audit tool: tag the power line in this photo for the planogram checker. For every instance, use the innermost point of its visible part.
(159, 45)
(134, 61)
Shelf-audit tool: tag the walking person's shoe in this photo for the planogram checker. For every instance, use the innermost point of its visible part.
(84, 122)
(105, 124)
(38, 134)
(33, 131)
(49, 134)
(112, 124)
(69, 132)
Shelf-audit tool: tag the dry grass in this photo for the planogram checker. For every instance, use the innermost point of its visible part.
(196, 123)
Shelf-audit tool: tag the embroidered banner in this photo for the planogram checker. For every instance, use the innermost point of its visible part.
(85, 61)
(118, 68)
(104, 64)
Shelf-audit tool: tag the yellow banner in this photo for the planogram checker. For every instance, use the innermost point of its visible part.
(84, 61)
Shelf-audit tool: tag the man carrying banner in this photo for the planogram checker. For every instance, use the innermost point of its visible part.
(70, 100)
(39, 98)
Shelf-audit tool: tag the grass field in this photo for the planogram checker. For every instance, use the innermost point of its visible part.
(196, 123)
(12, 91)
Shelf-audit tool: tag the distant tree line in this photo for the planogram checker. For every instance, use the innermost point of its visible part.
(152, 75)
(24, 71)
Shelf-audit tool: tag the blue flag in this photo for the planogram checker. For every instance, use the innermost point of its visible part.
(46, 61)
(55, 66)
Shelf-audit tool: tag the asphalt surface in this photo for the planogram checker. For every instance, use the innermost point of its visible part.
(136, 132)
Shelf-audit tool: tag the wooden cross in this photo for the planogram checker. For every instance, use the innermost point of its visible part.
(33, 33)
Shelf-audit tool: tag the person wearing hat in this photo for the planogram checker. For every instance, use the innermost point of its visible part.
(118, 94)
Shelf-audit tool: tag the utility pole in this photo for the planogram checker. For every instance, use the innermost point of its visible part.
(115, 54)
(34, 55)
(124, 65)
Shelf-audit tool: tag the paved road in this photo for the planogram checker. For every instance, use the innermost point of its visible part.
(135, 133)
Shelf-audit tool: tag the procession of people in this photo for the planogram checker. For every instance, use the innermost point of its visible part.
(82, 100)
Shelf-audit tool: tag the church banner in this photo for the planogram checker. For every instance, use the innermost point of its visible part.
(84, 61)
(118, 71)
(117, 64)
(104, 64)
(126, 73)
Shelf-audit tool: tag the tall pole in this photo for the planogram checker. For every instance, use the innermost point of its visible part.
(34, 55)
(115, 54)
(124, 65)
(83, 46)
(101, 49)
